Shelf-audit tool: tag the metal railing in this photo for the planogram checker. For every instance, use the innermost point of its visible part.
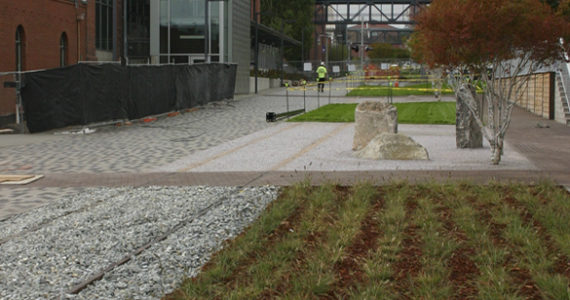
(565, 81)
(10, 85)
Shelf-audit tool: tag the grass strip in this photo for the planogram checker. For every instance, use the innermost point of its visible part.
(319, 275)
(408, 265)
(462, 269)
(408, 90)
(473, 208)
(437, 248)
(526, 263)
(536, 261)
(268, 270)
(380, 276)
(552, 210)
(408, 113)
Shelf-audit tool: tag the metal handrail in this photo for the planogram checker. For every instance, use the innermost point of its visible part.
(564, 83)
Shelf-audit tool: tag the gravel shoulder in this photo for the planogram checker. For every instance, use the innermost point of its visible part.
(45, 252)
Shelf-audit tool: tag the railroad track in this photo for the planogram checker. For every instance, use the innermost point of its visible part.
(46, 222)
(151, 235)
(97, 276)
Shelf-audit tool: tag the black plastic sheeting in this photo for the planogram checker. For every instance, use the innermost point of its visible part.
(82, 94)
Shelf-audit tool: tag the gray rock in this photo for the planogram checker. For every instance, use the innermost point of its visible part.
(393, 146)
(371, 119)
(467, 132)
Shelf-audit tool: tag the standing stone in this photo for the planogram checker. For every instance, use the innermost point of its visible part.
(467, 132)
(371, 119)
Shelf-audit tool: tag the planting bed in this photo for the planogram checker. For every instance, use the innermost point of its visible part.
(398, 241)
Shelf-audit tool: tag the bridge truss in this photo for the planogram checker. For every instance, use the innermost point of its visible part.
(367, 11)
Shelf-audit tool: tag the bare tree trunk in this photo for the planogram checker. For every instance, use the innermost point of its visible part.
(503, 84)
(497, 151)
(437, 82)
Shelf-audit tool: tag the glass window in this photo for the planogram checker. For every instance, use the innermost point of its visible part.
(187, 26)
(63, 50)
(20, 48)
(138, 29)
(182, 29)
(164, 25)
(103, 24)
(214, 27)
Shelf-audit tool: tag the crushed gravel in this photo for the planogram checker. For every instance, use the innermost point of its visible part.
(47, 252)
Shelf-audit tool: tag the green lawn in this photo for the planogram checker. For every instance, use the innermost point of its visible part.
(408, 113)
(383, 91)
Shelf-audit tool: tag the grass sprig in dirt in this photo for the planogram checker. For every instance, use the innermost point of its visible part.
(436, 241)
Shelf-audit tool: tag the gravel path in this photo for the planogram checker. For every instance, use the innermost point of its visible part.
(46, 252)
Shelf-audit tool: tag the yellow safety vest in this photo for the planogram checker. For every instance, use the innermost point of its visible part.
(322, 71)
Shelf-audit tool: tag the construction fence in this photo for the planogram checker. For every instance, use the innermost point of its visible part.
(83, 94)
(368, 68)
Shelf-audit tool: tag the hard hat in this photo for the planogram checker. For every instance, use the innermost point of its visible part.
(322, 63)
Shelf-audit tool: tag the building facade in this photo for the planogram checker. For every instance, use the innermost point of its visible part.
(190, 31)
(43, 34)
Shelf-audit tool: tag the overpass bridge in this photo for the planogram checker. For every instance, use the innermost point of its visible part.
(362, 22)
(368, 11)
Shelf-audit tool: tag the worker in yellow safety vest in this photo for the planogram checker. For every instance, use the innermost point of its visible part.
(321, 76)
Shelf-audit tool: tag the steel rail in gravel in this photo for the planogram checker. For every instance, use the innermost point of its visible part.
(46, 222)
(81, 286)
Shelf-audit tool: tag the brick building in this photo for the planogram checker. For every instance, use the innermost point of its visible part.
(43, 34)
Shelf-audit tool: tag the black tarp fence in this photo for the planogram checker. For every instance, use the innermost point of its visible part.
(83, 94)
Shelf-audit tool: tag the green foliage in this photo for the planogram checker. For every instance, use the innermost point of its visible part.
(338, 53)
(298, 16)
(385, 50)
(552, 3)
(475, 33)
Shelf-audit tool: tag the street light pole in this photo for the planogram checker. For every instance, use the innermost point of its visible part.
(303, 46)
(206, 33)
(281, 51)
(362, 43)
(256, 58)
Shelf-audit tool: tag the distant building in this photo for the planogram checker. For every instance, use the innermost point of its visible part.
(376, 33)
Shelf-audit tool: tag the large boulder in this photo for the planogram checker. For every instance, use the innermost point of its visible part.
(393, 146)
(371, 119)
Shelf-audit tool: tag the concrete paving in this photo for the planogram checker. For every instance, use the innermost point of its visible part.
(328, 147)
(229, 143)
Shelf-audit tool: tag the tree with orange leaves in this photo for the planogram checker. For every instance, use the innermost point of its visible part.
(494, 41)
